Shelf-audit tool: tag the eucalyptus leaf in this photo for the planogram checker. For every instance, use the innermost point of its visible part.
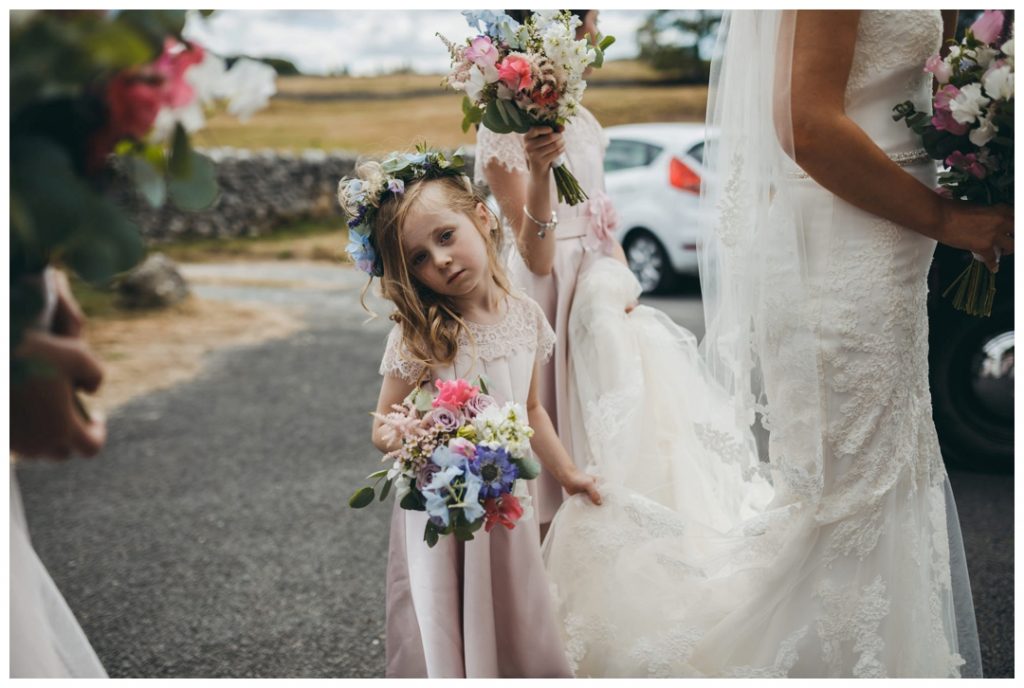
(493, 120)
(181, 154)
(384, 491)
(378, 474)
(430, 534)
(147, 179)
(198, 190)
(413, 501)
(529, 468)
(361, 498)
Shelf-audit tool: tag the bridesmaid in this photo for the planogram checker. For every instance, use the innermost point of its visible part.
(552, 238)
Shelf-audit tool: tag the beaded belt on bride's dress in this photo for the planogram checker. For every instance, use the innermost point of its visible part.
(905, 159)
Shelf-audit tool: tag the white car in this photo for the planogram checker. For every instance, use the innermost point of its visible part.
(653, 174)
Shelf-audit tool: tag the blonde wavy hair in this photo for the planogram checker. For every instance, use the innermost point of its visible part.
(431, 326)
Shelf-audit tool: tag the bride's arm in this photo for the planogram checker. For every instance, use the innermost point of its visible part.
(841, 157)
(515, 190)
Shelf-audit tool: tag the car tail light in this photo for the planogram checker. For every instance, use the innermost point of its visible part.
(682, 177)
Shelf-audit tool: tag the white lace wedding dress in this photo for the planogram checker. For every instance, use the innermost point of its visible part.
(840, 557)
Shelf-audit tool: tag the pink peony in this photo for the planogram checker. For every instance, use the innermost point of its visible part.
(482, 52)
(133, 101)
(515, 72)
(452, 394)
(939, 68)
(968, 163)
(988, 26)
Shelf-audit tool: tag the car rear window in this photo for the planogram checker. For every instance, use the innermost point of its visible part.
(623, 154)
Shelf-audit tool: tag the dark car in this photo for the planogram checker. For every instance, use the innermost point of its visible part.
(971, 362)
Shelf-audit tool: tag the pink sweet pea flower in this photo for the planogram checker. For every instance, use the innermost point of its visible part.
(482, 52)
(462, 447)
(514, 71)
(938, 67)
(988, 26)
(968, 163)
(943, 118)
(452, 394)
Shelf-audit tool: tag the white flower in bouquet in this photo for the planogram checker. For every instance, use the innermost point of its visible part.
(985, 131)
(968, 104)
(505, 426)
(189, 116)
(248, 86)
(998, 82)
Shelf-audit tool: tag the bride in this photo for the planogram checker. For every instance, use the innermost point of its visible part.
(776, 502)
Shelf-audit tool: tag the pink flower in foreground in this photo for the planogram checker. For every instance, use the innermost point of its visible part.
(939, 68)
(988, 26)
(462, 447)
(514, 71)
(452, 394)
(968, 163)
(172, 65)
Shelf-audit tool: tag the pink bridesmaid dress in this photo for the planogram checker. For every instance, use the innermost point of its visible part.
(479, 609)
(582, 229)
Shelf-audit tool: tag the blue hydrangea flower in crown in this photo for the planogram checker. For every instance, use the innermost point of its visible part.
(361, 196)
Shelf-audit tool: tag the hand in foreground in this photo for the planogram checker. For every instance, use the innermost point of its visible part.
(577, 481)
(542, 146)
(45, 416)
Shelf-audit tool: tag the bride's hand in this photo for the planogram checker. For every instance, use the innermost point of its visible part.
(542, 146)
(577, 481)
(984, 230)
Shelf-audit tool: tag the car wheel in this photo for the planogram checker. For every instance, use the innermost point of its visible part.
(648, 261)
(972, 372)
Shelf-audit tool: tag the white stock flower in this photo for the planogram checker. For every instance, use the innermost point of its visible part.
(985, 131)
(998, 82)
(248, 85)
(521, 492)
(967, 106)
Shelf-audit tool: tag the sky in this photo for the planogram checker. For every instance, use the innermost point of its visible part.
(364, 42)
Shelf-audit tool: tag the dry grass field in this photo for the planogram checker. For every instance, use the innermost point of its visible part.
(376, 114)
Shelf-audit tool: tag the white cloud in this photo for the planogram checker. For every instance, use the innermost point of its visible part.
(366, 42)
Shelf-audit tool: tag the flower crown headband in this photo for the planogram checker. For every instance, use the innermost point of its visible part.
(361, 198)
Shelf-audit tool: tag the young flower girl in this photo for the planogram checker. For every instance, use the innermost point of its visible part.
(479, 608)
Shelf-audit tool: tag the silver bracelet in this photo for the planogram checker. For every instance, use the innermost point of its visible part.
(543, 226)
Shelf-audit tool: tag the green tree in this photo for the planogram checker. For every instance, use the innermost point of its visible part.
(676, 41)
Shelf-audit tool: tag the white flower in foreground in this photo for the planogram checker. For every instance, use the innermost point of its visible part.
(248, 86)
(190, 116)
(208, 78)
(967, 106)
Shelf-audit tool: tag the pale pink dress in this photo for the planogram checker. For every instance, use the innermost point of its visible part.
(581, 229)
(480, 609)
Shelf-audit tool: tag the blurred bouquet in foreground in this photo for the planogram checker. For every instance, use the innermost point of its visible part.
(516, 76)
(88, 84)
(463, 459)
(971, 131)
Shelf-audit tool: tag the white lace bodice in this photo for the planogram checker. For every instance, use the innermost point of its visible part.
(888, 68)
(513, 344)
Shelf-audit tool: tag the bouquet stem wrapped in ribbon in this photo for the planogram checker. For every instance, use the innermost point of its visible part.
(971, 131)
(462, 458)
(517, 76)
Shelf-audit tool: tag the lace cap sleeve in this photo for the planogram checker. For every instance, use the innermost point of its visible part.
(397, 361)
(507, 149)
(545, 335)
